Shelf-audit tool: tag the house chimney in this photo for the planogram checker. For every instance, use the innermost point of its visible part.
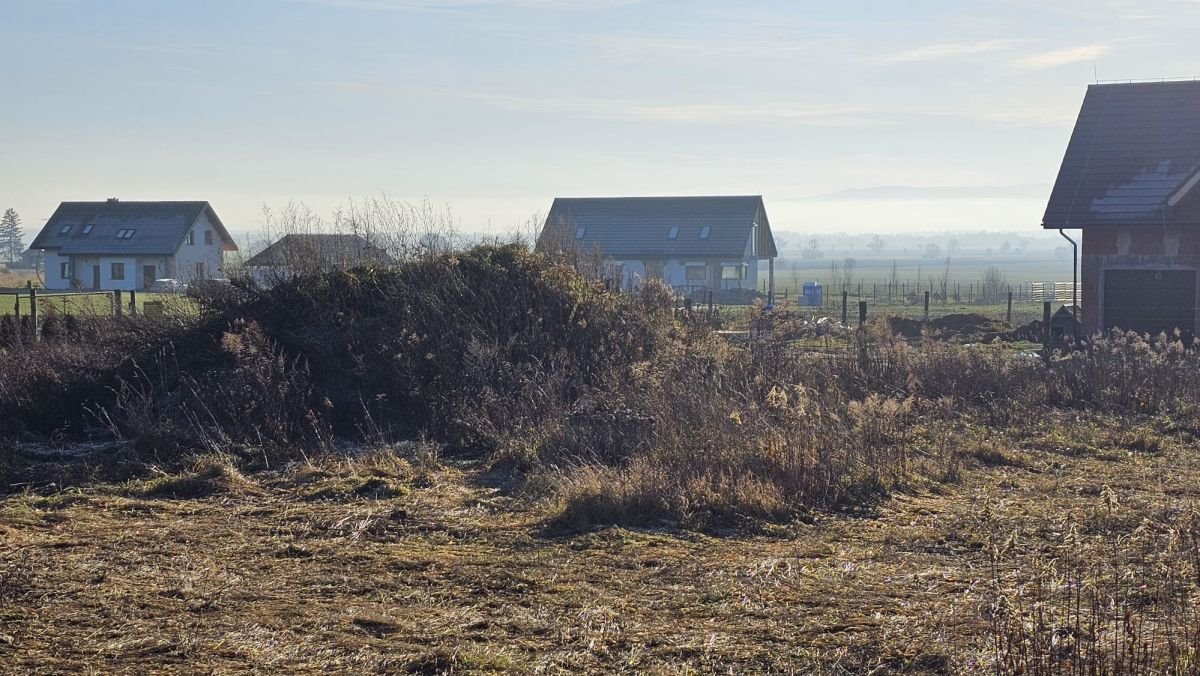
(113, 200)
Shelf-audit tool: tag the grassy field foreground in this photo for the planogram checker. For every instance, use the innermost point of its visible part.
(401, 562)
(486, 461)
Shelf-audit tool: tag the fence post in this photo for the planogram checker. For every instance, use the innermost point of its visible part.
(33, 313)
(118, 309)
(1008, 313)
(862, 313)
(845, 300)
(1046, 328)
(132, 303)
(926, 306)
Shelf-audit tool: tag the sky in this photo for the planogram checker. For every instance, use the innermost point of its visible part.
(846, 115)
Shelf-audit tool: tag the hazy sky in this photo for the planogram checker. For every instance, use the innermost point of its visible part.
(846, 115)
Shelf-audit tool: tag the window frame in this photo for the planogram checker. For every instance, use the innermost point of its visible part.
(87, 229)
(64, 269)
(65, 230)
(689, 267)
(673, 233)
(191, 238)
(580, 232)
(741, 269)
(113, 269)
(208, 238)
(705, 231)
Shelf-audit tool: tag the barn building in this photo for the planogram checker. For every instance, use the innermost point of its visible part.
(1129, 182)
(692, 243)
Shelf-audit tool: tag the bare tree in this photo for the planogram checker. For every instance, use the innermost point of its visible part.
(876, 244)
(994, 283)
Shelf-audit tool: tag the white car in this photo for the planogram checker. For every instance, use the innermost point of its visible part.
(168, 286)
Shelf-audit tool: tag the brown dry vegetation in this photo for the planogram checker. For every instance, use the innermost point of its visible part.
(482, 462)
(400, 562)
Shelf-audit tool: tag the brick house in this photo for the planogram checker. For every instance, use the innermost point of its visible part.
(1129, 182)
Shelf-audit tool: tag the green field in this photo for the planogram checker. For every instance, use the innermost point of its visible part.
(89, 304)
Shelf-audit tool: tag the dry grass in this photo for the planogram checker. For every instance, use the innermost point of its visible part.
(399, 562)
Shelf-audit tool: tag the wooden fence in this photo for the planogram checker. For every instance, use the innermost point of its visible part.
(31, 305)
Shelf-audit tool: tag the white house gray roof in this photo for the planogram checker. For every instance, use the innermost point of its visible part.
(630, 227)
(159, 227)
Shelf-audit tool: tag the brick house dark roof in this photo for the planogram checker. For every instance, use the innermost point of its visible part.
(159, 227)
(630, 227)
(1134, 152)
(341, 250)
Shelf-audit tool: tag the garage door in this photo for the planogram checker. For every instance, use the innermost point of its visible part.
(1150, 301)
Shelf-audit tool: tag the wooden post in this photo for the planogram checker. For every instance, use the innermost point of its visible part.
(1008, 313)
(926, 306)
(771, 281)
(132, 303)
(17, 307)
(33, 313)
(845, 300)
(118, 308)
(1046, 328)
(862, 313)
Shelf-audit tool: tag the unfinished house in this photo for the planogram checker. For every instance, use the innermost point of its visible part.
(1128, 181)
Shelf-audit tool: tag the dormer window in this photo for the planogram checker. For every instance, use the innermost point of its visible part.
(704, 232)
(65, 230)
(674, 232)
(579, 232)
(125, 233)
(87, 229)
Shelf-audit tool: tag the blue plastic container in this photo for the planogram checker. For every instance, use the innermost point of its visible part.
(814, 294)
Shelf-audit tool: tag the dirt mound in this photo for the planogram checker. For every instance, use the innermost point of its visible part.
(963, 326)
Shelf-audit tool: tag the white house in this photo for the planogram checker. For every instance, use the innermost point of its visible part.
(127, 245)
(711, 242)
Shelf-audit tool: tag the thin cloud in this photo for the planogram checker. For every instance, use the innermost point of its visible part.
(956, 192)
(459, 5)
(951, 49)
(619, 110)
(1063, 57)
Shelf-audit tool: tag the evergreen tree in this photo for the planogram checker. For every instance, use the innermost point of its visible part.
(11, 244)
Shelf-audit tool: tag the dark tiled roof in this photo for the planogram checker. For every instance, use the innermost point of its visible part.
(1134, 147)
(629, 227)
(159, 226)
(340, 250)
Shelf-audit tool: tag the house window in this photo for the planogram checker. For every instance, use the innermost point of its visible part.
(733, 271)
(674, 232)
(64, 230)
(579, 232)
(64, 270)
(191, 237)
(696, 272)
(208, 238)
(125, 234)
(200, 270)
(704, 232)
(118, 272)
(87, 229)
